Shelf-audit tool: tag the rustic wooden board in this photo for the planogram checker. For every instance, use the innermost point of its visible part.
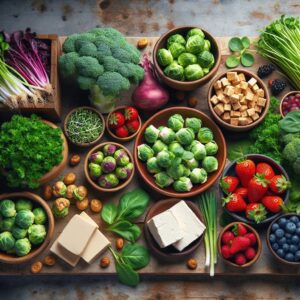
(266, 266)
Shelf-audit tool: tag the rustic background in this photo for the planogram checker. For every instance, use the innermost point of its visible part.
(148, 18)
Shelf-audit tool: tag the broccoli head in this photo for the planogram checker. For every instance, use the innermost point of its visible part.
(296, 166)
(291, 153)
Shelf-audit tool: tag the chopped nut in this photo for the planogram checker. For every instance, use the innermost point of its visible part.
(96, 205)
(49, 260)
(214, 100)
(192, 264)
(74, 160)
(47, 192)
(119, 244)
(180, 96)
(142, 43)
(36, 267)
(192, 101)
(251, 112)
(252, 81)
(104, 262)
(69, 178)
(219, 109)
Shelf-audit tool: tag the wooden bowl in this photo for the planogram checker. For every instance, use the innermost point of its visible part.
(228, 126)
(258, 246)
(278, 169)
(111, 133)
(291, 263)
(11, 259)
(160, 119)
(281, 102)
(93, 183)
(170, 254)
(84, 144)
(186, 85)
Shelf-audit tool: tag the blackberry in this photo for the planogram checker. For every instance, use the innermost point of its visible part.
(277, 86)
(265, 70)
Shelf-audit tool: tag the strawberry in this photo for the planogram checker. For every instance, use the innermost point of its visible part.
(116, 120)
(225, 250)
(250, 253)
(133, 126)
(227, 237)
(266, 169)
(229, 184)
(272, 203)
(234, 203)
(122, 132)
(257, 187)
(240, 259)
(245, 170)
(278, 184)
(251, 236)
(256, 212)
(242, 191)
(131, 113)
(239, 243)
(239, 229)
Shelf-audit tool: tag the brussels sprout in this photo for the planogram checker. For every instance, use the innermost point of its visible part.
(186, 59)
(23, 204)
(176, 49)
(164, 158)
(24, 218)
(109, 149)
(80, 193)
(121, 157)
(60, 207)
(191, 163)
(210, 164)
(18, 233)
(37, 234)
(195, 31)
(176, 122)
(59, 189)
(176, 149)
(151, 134)
(186, 172)
(205, 70)
(176, 171)
(211, 148)
(108, 164)
(183, 184)
(193, 123)
(193, 72)
(189, 147)
(207, 45)
(185, 136)
(159, 146)
(174, 71)
(7, 224)
(40, 216)
(129, 168)
(195, 44)
(206, 59)
(7, 241)
(167, 135)
(199, 151)
(124, 172)
(144, 152)
(152, 165)
(108, 181)
(7, 208)
(176, 38)
(22, 247)
(95, 170)
(164, 57)
(70, 191)
(97, 157)
(163, 180)
(198, 176)
(205, 135)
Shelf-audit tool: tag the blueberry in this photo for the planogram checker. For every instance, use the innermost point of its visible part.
(293, 248)
(288, 235)
(282, 222)
(282, 241)
(275, 226)
(297, 256)
(279, 233)
(272, 238)
(280, 253)
(285, 247)
(290, 227)
(289, 241)
(289, 257)
(298, 224)
(295, 239)
(275, 246)
(294, 219)
(298, 230)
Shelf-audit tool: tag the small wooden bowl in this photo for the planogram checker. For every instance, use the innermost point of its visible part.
(258, 246)
(125, 139)
(93, 183)
(228, 126)
(291, 263)
(282, 99)
(170, 254)
(11, 259)
(186, 85)
(84, 144)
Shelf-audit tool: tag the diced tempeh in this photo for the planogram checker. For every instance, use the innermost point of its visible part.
(261, 101)
(251, 112)
(244, 114)
(243, 121)
(229, 90)
(243, 107)
(226, 116)
(255, 116)
(244, 85)
(260, 93)
(218, 85)
(234, 121)
(227, 107)
(255, 88)
(214, 100)
(234, 98)
(258, 109)
(225, 81)
(236, 106)
(249, 96)
(249, 120)
(242, 77)
(252, 81)
(235, 114)
(219, 109)
(243, 100)
(231, 76)
(219, 92)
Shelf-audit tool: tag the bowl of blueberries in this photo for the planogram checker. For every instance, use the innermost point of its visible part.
(283, 238)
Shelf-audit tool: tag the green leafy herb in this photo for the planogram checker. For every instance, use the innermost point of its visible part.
(128, 231)
(291, 122)
(235, 44)
(232, 61)
(109, 213)
(247, 59)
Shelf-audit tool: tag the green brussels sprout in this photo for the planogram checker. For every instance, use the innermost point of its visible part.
(195, 31)
(207, 45)
(198, 176)
(7, 241)
(186, 172)
(95, 170)
(176, 49)
(129, 169)
(18, 233)
(205, 70)
(22, 247)
(205, 135)
(199, 151)
(167, 135)
(163, 180)
(151, 134)
(23, 204)
(186, 59)
(176, 149)
(97, 157)
(37, 234)
(108, 181)
(185, 136)
(176, 38)
(7, 208)
(190, 146)
(183, 184)
(193, 72)
(193, 123)
(210, 164)
(195, 44)
(60, 213)
(176, 122)
(174, 71)
(152, 165)
(108, 164)
(164, 57)
(60, 207)
(144, 152)
(206, 59)
(164, 158)
(159, 146)
(176, 171)
(191, 163)
(24, 218)
(121, 157)
(211, 148)
(40, 216)
(7, 224)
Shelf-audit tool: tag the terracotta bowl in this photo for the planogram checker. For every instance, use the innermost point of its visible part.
(111, 133)
(278, 169)
(228, 126)
(93, 183)
(258, 245)
(186, 85)
(38, 201)
(170, 254)
(281, 102)
(160, 119)
(84, 144)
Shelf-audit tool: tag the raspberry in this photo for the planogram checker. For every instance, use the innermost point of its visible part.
(265, 70)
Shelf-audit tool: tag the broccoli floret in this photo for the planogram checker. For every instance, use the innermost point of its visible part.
(67, 63)
(134, 72)
(112, 83)
(86, 83)
(88, 49)
(69, 43)
(296, 166)
(89, 67)
(289, 153)
(288, 138)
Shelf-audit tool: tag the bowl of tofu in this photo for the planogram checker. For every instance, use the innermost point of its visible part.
(238, 100)
(173, 229)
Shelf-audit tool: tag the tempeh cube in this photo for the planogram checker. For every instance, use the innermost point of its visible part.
(225, 81)
(252, 81)
(234, 121)
(242, 77)
(227, 107)
(236, 106)
(219, 109)
(251, 112)
(261, 101)
(243, 121)
(218, 85)
(255, 116)
(214, 100)
(249, 96)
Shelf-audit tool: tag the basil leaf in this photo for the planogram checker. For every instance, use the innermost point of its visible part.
(291, 122)
(126, 274)
(232, 61)
(235, 44)
(187, 155)
(128, 231)
(136, 256)
(245, 42)
(247, 59)
(109, 213)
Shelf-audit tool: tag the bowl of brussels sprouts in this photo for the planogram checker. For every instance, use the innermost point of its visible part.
(186, 57)
(180, 152)
(26, 227)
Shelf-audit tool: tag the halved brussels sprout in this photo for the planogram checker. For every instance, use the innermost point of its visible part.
(176, 49)
(206, 59)
(174, 71)
(152, 165)
(164, 57)
(198, 176)
(167, 135)
(186, 59)
(211, 148)
(183, 184)
(159, 146)
(210, 164)
(176, 38)
(176, 122)
(195, 44)
(195, 31)
(163, 180)
(185, 136)
(164, 158)
(144, 152)
(193, 72)
(151, 134)
(205, 135)
(193, 123)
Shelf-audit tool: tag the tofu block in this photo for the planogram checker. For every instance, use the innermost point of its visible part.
(225, 81)
(237, 90)
(243, 108)
(227, 107)
(219, 109)
(243, 121)
(219, 92)
(249, 96)
(244, 85)
(218, 85)
(236, 106)
(234, 121)
(244, 114)
(86, 217)
(231, 76)
(234, 98)
(251, 112)
(260, 93)
(242, 77)
(255, 88)
(252, 81)
(229, 90)
(249, 120)
(261, 101)
(221, 97)
(235, 114)
(255, 117)
(243, 101)
(226, 117)
(214, 100)
(235, 82)
(258, 109)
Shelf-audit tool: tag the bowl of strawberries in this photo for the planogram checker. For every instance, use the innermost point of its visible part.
(254, 189)
(239, 245)
(123, 123)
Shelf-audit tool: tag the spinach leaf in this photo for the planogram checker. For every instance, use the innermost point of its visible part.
(291, 122)
(126, 274)
(130, 232)
(235, 44)
(109, 213)
(136, 255)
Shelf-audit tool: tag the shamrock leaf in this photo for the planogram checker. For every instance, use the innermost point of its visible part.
(235, 44)
(247, 59)
(232, 61)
